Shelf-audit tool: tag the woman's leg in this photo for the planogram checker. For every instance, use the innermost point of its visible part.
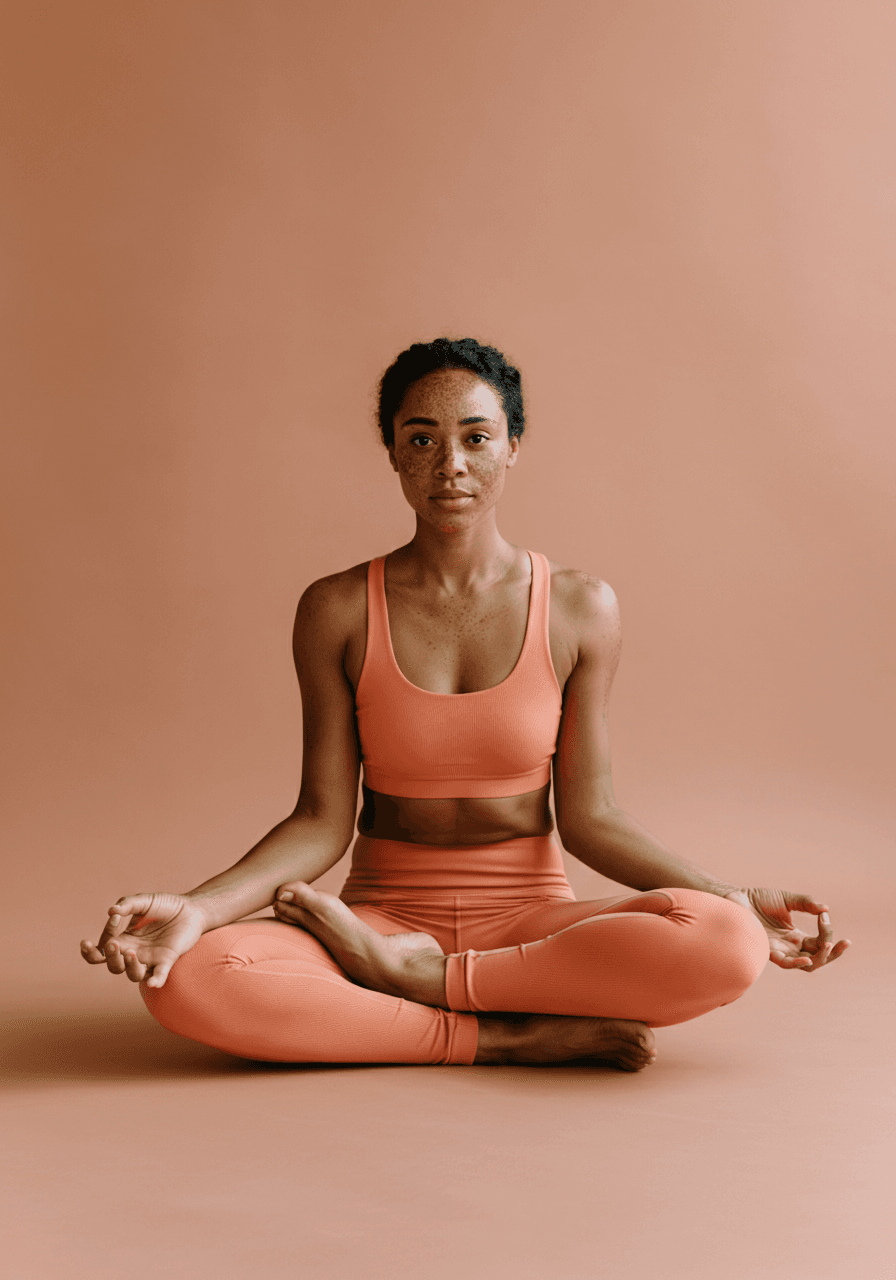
(266, 990)
(660, 957)
(655, 958)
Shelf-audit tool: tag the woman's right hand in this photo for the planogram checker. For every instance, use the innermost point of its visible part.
(145, 935)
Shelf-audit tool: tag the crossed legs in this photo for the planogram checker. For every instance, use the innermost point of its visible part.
(349, 986)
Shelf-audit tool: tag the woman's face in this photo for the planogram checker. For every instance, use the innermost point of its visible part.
(451, 448)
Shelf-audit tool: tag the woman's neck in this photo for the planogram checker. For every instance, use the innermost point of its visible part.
(458, 559)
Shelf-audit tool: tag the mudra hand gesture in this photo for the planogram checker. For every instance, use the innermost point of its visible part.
(145, 934)
(789, 947)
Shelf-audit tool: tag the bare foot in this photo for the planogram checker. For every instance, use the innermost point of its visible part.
(542, 1038)
(410, 965)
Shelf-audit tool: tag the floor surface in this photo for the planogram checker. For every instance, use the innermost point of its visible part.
(759, 1147)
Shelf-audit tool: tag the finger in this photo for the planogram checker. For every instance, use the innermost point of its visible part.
(825, 938)
(133, 967)
(114, 958)
(843, 945)
(92, 954)
(803, 902)
(125, 909)
(159, 974)
(833, 954)
(115, 926)
(789, 962)
(137, 904)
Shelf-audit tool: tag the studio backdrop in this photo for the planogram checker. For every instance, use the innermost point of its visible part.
(224, 219)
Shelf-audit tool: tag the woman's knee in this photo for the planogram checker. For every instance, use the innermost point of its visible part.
(739, 944)
(196, 998)
(729, 945)
(244, 987)
(187, 987)
(721, 954)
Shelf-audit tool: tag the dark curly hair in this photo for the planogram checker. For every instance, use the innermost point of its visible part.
(422, 358)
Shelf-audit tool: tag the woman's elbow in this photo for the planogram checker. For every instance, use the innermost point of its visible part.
(584, 828)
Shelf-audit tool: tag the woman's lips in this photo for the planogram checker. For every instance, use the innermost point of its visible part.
(452, 501)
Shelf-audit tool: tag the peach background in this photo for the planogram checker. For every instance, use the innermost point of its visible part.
(223, 219)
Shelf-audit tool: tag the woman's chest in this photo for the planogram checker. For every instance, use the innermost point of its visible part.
(466, 645)
(458, 646)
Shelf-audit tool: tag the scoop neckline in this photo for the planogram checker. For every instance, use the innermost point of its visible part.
(473, 693)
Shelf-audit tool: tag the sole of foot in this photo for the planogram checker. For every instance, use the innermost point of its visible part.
(409, 965)
(541, 1039)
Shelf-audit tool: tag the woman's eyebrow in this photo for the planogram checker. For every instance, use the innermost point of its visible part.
(431, 422)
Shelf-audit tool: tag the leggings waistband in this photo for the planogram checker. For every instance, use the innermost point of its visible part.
(531, 865)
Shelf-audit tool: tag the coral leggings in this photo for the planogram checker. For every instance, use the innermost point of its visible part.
(516, 940)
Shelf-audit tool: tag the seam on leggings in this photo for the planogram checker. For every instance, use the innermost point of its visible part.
(676, 914)
(332, 978)
(611, 915)
(238, 961)
(459, 973)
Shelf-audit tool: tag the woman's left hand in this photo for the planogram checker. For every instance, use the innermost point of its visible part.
(789, 947)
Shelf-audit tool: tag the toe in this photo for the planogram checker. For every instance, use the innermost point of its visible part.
(323, 905)
(298, 891)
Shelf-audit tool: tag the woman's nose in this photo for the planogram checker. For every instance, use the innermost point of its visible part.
(451, 461)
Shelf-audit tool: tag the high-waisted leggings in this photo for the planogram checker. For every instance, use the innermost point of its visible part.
(517, 942)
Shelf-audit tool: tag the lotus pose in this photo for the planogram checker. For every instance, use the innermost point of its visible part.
(462, 674)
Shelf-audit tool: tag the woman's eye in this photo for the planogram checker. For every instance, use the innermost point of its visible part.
(420, 439)
(477, 437)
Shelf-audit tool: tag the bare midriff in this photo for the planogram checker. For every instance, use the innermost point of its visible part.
(456, 821)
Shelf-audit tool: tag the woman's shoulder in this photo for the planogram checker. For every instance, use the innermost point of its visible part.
(334, 604)
(584, 620)
(582, 597)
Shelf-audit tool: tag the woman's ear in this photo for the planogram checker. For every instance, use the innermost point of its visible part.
(390, 449)
(514, 450)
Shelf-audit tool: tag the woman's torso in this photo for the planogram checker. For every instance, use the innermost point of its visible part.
(455, 644)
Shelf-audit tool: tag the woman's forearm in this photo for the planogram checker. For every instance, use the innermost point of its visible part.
(619, 848)
(299, 848)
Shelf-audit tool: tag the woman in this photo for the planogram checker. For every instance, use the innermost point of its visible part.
(459, 670)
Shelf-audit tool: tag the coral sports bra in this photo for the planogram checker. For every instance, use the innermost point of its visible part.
(493, 742)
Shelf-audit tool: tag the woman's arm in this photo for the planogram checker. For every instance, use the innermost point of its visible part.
(318, 831)
(597, 832)
(590, 824)
(147, 932)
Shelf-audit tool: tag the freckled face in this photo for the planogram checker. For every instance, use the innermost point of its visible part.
(451, 448)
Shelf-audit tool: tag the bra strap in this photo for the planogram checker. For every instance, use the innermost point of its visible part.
(377, 615)
(541, 599)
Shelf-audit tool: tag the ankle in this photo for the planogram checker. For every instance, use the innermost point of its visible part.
(421, 977)
(498, 1041)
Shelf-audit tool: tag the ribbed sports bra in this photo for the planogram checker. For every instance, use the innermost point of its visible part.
(493, 742)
